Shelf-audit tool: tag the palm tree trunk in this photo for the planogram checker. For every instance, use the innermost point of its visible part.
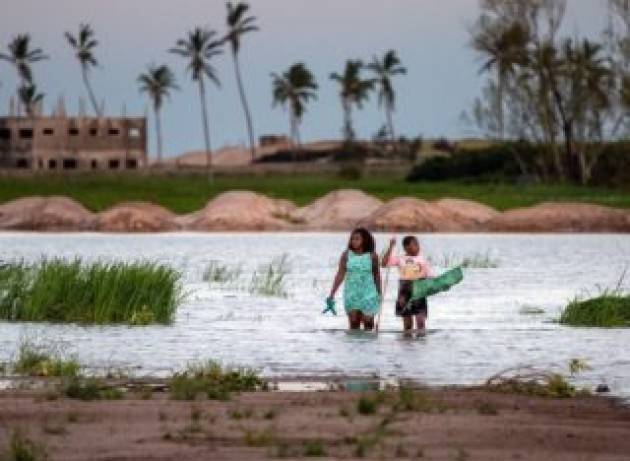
(500, 115)
(248, 115)
(390, 121)
(294, 137)
(348, 130)
(86, 81)
(158, 133)
(206, 128)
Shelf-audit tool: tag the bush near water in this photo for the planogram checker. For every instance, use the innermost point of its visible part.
(610, 310)
(57, 290)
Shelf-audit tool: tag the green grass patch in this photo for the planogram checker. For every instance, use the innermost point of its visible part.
(217, 273)
(214, 382)
(57, 290)
(183, 193)
(22, 448)
(271, 279)
(88, 389)
(38, 361)
(607, 311)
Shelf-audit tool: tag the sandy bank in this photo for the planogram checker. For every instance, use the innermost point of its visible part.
(451, 424)
(337, 211)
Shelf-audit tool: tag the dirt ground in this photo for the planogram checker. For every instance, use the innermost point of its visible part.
(441, 424)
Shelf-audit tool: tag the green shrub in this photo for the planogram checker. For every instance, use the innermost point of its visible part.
(213, 381)
(89, 389)
(23, 449)
(608, 311)
(314, 449)
(97, 293)
(367, 405)
(37, 361)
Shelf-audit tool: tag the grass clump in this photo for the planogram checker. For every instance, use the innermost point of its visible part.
(214, 382)
(37, 361)
(220, 273)
(270, 279)
(538, 383)
(610, 310)
(89, 389)
(367, 405)
(57, 290)
(23, 449)
(314, 449)
(474, 261)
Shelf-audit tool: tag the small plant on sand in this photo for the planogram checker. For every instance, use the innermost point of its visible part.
(270, 279)
(88, 389)
(57, 290)
(539, 383)
(264, 438)
(217, 273)
(416, 400)
(22, 449)
(38, 361)
(487, 408)
(610, 308)
(213, 381)
(367, 405)
(314, 449)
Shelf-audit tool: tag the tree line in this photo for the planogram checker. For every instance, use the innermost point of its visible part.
(292, 89)
(566, 95)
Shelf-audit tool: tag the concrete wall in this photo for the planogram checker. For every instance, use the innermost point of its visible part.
(68, 143)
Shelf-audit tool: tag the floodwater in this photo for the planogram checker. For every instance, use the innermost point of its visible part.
(476, 330)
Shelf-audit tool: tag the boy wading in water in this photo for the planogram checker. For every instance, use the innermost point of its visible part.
(411, 266)
(359, 268)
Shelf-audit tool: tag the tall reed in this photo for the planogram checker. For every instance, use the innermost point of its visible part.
(57, 290)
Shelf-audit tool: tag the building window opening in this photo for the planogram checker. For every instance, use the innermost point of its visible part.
(93, 131)
(69, 164)
(5, 134)
(52, 164)
(114, 164)
(94, 164)
(40, 163)
(73, 131)
(48, 131)
(22, 163)
(134, 133)
(132, 164)
(114, 131)
(26, 133)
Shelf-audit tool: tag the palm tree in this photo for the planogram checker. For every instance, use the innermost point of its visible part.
(30, 98)
(294, 87)
(83, 44)
(503, 48)
(384, 70)
(22, 57)
(354, 91)
(199, 47)
(238, 25)
(157, 82)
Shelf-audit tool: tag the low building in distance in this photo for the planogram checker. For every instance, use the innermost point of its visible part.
(59, 143)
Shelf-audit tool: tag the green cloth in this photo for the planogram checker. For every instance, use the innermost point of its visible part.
(432, 286)
(359, 290)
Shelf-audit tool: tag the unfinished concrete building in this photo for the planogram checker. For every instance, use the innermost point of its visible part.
(73, 143)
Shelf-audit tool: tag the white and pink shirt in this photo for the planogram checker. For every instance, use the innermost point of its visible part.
(410, 267)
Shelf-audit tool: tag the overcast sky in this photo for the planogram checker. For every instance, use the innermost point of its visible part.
(430, 36)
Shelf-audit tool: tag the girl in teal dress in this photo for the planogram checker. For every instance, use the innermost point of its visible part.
(359, 268)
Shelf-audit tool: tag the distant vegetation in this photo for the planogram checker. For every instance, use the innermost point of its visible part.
(186, 193)
(95, 293)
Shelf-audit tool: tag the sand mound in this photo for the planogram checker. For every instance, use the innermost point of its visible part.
(338, 210)
(413, 215)
(240, 211)
(467, 210)
(137, 217)
(562, 217)
(45, 214)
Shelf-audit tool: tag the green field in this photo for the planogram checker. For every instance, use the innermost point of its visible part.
(186, 193)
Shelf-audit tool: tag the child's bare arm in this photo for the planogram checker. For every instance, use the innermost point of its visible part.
(341, 274)
(388, 253)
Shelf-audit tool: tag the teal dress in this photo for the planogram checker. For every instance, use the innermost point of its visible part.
(359, 291)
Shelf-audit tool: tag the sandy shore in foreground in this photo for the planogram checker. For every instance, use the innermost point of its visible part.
(449, 424)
